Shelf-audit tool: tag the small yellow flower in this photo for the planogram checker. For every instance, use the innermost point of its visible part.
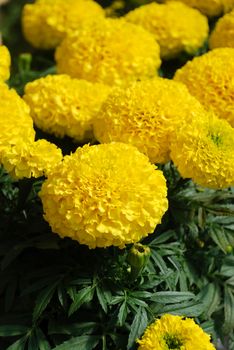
(105, 195)
(204, 152)
(5, 62)
(175, 26)
(223, 34)
(35, 159)
(46, 22)
(64, 106)
(146, 115)
(109, 51)
(210, 79)
(210, 7)
(175, 332)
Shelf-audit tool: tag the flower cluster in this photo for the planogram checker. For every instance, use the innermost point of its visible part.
(5, 62)
(105, 195)
(210, 79)
(204, 152)
(210, 7)
(109, 51)
(223, 34)
(143, 116)
(64, 106)
(175, 332)
(46, 22)
(175, 26)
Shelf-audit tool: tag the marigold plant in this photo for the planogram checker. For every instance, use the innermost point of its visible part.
(46, 22)
(210, 79)
(109, 51)
(210, 7)
(105, 195)
(223, 34)
(175, 26)
(64, 106)
(175, 332)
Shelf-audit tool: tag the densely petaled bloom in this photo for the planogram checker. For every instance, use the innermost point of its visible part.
(210, 7)
(175, 332)
(210, 79)
(16, 125)
(35, 159)
(147, 114)
(64, 106)
(5, 62)
(109, 51)
(105, 195)
(205, 152)
(223, 34)
(175, 26)
(46, 22)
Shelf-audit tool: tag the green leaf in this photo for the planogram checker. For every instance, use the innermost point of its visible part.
(42, 343)
(218, 235)
(43, 300)
(85, 295)
(210, 297)
(73, 329)
(32, 341)
(123, 312)
(171, 297)
(12, 330)
(138, 326)
(162, 238)
(85, 342)
(18, 345)
(190, 309)
(228, 310)
(103, 298)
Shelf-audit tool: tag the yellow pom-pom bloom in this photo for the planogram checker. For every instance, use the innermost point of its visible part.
(146, 115)
(210, 7)
(109, 51)
(26, 160)
(204, 152)
(46, 22)
(210, 79)
(15, 121)
(175, 332)
(105, 195)
(5, 62)
(223, 34)
(175, 26)
(64, 106)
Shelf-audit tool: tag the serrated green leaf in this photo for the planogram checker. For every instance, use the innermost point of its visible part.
(85, 342)
(102, 298)
(138, 326)
(18, 345)
(12, 330)
(42, 343)
(190, 309)
(162, 238)
(122, 314)
(229, 309)
(171, 297)
(85, 295)
(43, 300)
(218, 235)
(210, 297)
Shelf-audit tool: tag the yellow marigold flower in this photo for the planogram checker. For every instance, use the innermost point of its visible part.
(46, 22)
(64, 106)
(210, 79)
(105, 195)
(35, 159)
(15, 121)
(175, 332)
(223, 34)
(204, 152)
(110, 51)
(5, 62)
(175, 26)
(210, 7)
(146, 115)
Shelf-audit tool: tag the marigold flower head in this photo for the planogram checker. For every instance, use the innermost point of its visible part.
(210, 79)
(46, 22)
(146, 114)
(5, 62)
(175, 332)
(109, 51)
(204, 152)
(175, 26)
(223, 34)
(210, 7)
(15, 121)
(35, 159)
(64, 106)
(105, 195)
